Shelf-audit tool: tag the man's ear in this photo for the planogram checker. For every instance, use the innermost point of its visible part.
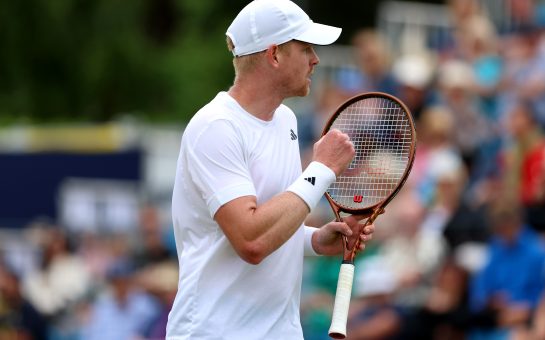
(272, 55)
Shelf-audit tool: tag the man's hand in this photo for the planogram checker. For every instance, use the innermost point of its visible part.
(328, 240)
(334, 150)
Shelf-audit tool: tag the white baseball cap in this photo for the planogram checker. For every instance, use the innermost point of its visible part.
(263, 23)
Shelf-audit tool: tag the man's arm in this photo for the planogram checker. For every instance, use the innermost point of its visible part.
(256, 231)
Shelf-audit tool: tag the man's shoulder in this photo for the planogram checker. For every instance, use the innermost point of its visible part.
(285, 110)
(218, 109)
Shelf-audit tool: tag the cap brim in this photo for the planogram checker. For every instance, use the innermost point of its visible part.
(319, 34)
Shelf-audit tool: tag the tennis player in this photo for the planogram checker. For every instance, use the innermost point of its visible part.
(240, 196)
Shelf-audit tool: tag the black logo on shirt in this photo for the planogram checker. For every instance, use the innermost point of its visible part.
(293, 135)
(311, 180)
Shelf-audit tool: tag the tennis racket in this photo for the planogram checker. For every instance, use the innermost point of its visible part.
(382, 130)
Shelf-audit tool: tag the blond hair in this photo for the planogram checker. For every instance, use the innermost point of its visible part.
(247, 63)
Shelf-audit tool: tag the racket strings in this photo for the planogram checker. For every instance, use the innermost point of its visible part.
(382, 135)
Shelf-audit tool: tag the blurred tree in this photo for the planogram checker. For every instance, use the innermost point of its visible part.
(91, 60)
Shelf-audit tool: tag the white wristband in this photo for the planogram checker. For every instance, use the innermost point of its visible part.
(309, 249)
(313, 183)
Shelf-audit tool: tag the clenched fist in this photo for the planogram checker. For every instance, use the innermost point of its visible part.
(335, 150)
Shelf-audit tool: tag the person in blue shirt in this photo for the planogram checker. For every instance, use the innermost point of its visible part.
(512, 281)
(123, 311)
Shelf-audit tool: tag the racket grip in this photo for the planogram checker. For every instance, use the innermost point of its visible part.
(342, 301)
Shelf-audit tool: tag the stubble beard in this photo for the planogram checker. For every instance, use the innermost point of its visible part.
(302, 89)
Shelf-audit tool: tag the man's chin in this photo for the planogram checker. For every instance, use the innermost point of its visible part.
(304, 92)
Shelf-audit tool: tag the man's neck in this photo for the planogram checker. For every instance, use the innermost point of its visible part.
(256, 98)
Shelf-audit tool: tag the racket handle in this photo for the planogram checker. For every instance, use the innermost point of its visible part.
(342, 301)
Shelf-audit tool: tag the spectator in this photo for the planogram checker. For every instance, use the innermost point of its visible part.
(123, 311)
(508, 288)
(464, 222)
(151, 240)
(414, 73)
(480, 48)
(373, 313)
(97, 252)
(373, 68)
(435, 152)
(445, 314)
(61, 284)
(524, 13)
(161, 281)
(461, 10)
(471, 128)
(480, 45)
(412, 254)
(18, 317)
(524, 163)
(524, 75)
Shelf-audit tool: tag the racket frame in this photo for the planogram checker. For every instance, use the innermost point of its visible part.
(368, 211)
(346, 273)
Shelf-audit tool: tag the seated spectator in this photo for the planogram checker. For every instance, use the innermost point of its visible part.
(373, 314)
(445, 314)
(123, 311)
(472, 129)
(372, 71)
(435, 151)
(18, 317)
(414, 73)
(412, 253)
(60, 286)
(511, 283)
(524, 72)
(479, 46)
(62, 278)
(466, 223)
(524, 163)
(151, 240)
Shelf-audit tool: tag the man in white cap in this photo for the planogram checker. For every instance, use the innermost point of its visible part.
(240, 196)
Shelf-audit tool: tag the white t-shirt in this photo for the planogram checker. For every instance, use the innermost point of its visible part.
(228, 153)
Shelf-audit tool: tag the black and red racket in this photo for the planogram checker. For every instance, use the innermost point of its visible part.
(382, 130)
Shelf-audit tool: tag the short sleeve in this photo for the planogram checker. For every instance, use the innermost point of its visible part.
(218, 165)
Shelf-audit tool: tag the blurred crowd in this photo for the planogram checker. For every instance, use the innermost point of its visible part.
(460, 251)
(60, 285)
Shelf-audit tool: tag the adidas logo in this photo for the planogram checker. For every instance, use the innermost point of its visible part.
(311, 180)
(293, 135)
